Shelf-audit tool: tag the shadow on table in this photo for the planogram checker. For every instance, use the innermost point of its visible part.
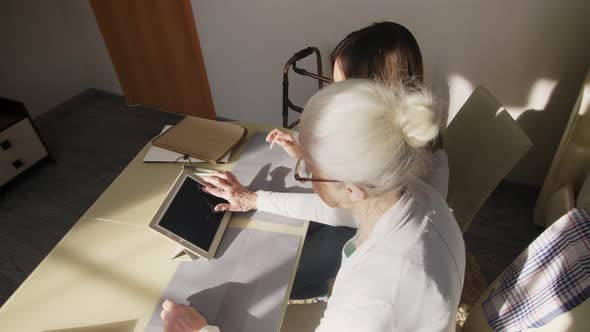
(219, 303)
(277, 182)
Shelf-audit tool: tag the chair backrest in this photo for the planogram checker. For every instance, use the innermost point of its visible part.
(571, 164)
(483, 143)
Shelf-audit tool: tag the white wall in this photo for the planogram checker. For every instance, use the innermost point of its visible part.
(531, 54)
(51, 50)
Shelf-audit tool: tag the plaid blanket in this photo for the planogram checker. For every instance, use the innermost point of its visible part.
(549, 278)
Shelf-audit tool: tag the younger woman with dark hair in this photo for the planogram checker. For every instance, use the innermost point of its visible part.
(383, 51)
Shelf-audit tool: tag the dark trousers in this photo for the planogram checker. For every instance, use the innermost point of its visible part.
(320, 259)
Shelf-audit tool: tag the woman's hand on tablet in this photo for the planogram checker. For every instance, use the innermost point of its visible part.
(227, 186)
(181, 318)
(286, 141)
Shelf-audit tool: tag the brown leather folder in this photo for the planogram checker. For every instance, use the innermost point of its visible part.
(201, 138)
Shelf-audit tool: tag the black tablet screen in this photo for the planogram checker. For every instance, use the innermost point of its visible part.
(191, 215)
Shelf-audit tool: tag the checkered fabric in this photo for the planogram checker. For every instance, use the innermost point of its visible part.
(550, 277)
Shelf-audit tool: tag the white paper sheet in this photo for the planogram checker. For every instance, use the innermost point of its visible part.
(243, 289)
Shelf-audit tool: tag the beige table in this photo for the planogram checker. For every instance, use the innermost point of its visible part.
(109, 271)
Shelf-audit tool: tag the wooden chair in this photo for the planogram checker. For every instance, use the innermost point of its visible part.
(570, 166)
(483, 143)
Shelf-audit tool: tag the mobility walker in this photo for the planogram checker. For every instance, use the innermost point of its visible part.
(292, 63)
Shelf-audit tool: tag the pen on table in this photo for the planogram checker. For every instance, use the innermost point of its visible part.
(199, 170)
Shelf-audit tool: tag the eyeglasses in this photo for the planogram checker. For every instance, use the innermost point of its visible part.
(302, 174)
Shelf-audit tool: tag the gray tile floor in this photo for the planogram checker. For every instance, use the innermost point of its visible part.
(503, 228)
(93, 136)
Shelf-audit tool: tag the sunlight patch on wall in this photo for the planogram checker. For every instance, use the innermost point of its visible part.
(537, 100)
(459, 91)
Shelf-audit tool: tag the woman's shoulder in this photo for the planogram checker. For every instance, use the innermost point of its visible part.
(430, 202)
(436, 239)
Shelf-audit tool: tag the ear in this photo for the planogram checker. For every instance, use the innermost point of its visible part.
(356, 193)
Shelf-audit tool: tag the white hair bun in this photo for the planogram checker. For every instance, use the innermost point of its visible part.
(416, 119)
(369, 133)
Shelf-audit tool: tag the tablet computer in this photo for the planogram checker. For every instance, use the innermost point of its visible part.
(187, 216)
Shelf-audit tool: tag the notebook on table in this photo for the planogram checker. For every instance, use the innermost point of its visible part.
(159, 155)
(203, 139)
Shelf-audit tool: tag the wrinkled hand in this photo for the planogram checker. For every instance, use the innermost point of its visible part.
(227, 186)
(286, 141)
(181, 318)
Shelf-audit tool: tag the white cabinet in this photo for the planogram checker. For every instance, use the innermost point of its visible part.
(20, 146)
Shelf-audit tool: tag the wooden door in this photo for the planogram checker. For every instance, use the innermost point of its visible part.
(156, 53)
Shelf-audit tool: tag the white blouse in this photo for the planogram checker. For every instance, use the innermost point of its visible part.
(407, 276)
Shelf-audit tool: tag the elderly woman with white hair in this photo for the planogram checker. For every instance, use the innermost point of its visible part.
(364, 150)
